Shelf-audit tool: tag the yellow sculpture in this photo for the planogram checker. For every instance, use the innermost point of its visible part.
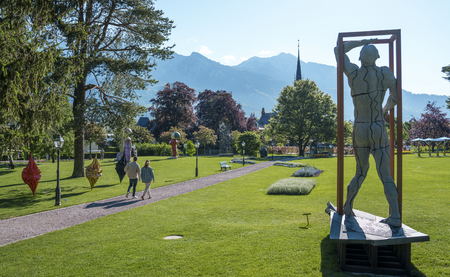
(93, 172)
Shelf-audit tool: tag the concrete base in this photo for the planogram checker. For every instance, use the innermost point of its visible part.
(366, 245)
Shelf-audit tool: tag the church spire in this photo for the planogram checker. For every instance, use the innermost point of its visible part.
(298, 75)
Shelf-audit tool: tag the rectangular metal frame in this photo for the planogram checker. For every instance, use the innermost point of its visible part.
(395, 37)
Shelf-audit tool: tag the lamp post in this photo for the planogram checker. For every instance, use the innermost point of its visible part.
(197, 145)
(243, 153)
(58, 142)
(271, 142)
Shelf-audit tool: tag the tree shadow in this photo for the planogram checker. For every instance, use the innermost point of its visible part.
(112, 204)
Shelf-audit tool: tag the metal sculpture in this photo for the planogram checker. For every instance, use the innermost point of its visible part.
(31, 174)
(120, 166)
(93, 172)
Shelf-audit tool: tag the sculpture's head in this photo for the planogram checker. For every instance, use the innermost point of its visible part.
(368, 55)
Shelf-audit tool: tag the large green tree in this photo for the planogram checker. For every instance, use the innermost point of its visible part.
(116, 44)
(304, 113)
(32, 92)
(446, 70)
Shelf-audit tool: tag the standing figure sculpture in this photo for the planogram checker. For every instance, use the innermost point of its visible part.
(368, 85)
(174, 143)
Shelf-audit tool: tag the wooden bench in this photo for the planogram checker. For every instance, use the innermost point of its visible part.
(224, 165)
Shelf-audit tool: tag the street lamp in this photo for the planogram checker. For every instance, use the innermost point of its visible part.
(271, 142)
(58, 142)
(243, 153)
(197, 145)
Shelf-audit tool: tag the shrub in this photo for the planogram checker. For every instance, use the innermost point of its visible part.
(289, 164)
(307, 171)
(252, 143)
(292, 186)
(149, 149)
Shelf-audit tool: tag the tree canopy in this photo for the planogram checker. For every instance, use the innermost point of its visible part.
(304, 113)
(32, 93)
(218, 107)
(432, 123)
(174, 106)
(115, 44)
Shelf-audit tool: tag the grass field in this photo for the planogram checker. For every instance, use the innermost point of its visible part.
(235, 229)
(16, 198)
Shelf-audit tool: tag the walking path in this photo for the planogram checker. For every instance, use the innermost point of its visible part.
(24, 227)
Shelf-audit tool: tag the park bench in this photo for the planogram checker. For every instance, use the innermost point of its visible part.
(224, 165)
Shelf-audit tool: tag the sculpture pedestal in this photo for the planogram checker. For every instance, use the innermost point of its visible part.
(366, 245)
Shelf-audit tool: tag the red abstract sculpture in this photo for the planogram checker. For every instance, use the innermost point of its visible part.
(174, 144)
(31, 174)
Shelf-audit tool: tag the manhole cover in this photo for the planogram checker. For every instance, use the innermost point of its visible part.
(173, 237)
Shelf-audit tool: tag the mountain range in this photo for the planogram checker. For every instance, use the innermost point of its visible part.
(256, 83)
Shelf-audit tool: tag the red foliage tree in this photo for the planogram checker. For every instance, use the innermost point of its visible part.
(432, 124)
(174, 106)
(251, 122)
(216, 107)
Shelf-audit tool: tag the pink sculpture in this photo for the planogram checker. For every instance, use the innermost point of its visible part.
(31, 174)
(127, 149)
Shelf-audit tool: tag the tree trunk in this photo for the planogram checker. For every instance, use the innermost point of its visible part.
(78, 114)
(11, 162)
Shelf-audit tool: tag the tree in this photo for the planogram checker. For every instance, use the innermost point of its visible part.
(141, 135)
(251, 122)
(174, 106)
(432, 124)
(190, 149)
(31, 91)
(304, 113)
(446, 70)
(406, 126)
(214, 108)
(116, 43)
(252, 143)
(94, 132)
(205, 136)
(167, 136)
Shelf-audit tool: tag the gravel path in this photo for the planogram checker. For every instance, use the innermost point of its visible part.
(24, 227)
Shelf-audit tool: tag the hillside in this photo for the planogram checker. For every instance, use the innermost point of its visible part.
(257, 82)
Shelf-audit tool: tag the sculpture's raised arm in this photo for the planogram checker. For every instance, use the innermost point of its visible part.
(348, 66)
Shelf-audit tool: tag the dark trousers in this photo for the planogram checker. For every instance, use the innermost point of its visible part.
(133, 183)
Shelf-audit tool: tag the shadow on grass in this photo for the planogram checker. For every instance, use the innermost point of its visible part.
(112, 204)
(330, 261)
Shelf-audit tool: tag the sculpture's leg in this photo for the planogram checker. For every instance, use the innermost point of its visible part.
(362, 166)
(382, 160)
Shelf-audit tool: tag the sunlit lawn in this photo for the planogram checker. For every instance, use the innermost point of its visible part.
(16, 198)
(235, 229)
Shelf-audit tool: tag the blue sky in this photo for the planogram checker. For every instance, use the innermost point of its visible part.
(234, 30)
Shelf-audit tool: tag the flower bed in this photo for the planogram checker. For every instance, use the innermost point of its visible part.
(289, 164)
(307, 172)
(239, 161)
(292, 186)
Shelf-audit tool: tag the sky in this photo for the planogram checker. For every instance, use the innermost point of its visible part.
(229, 32)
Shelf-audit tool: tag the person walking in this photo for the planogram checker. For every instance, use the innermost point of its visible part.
(147, 177)
(133, 171)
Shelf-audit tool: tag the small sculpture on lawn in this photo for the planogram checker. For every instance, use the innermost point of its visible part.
(93, 172)
(31, 174)
(368, 85)
(120, 166)
(174, 142)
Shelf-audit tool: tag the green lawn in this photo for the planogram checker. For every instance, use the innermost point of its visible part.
(16, 198)
(235, 229)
